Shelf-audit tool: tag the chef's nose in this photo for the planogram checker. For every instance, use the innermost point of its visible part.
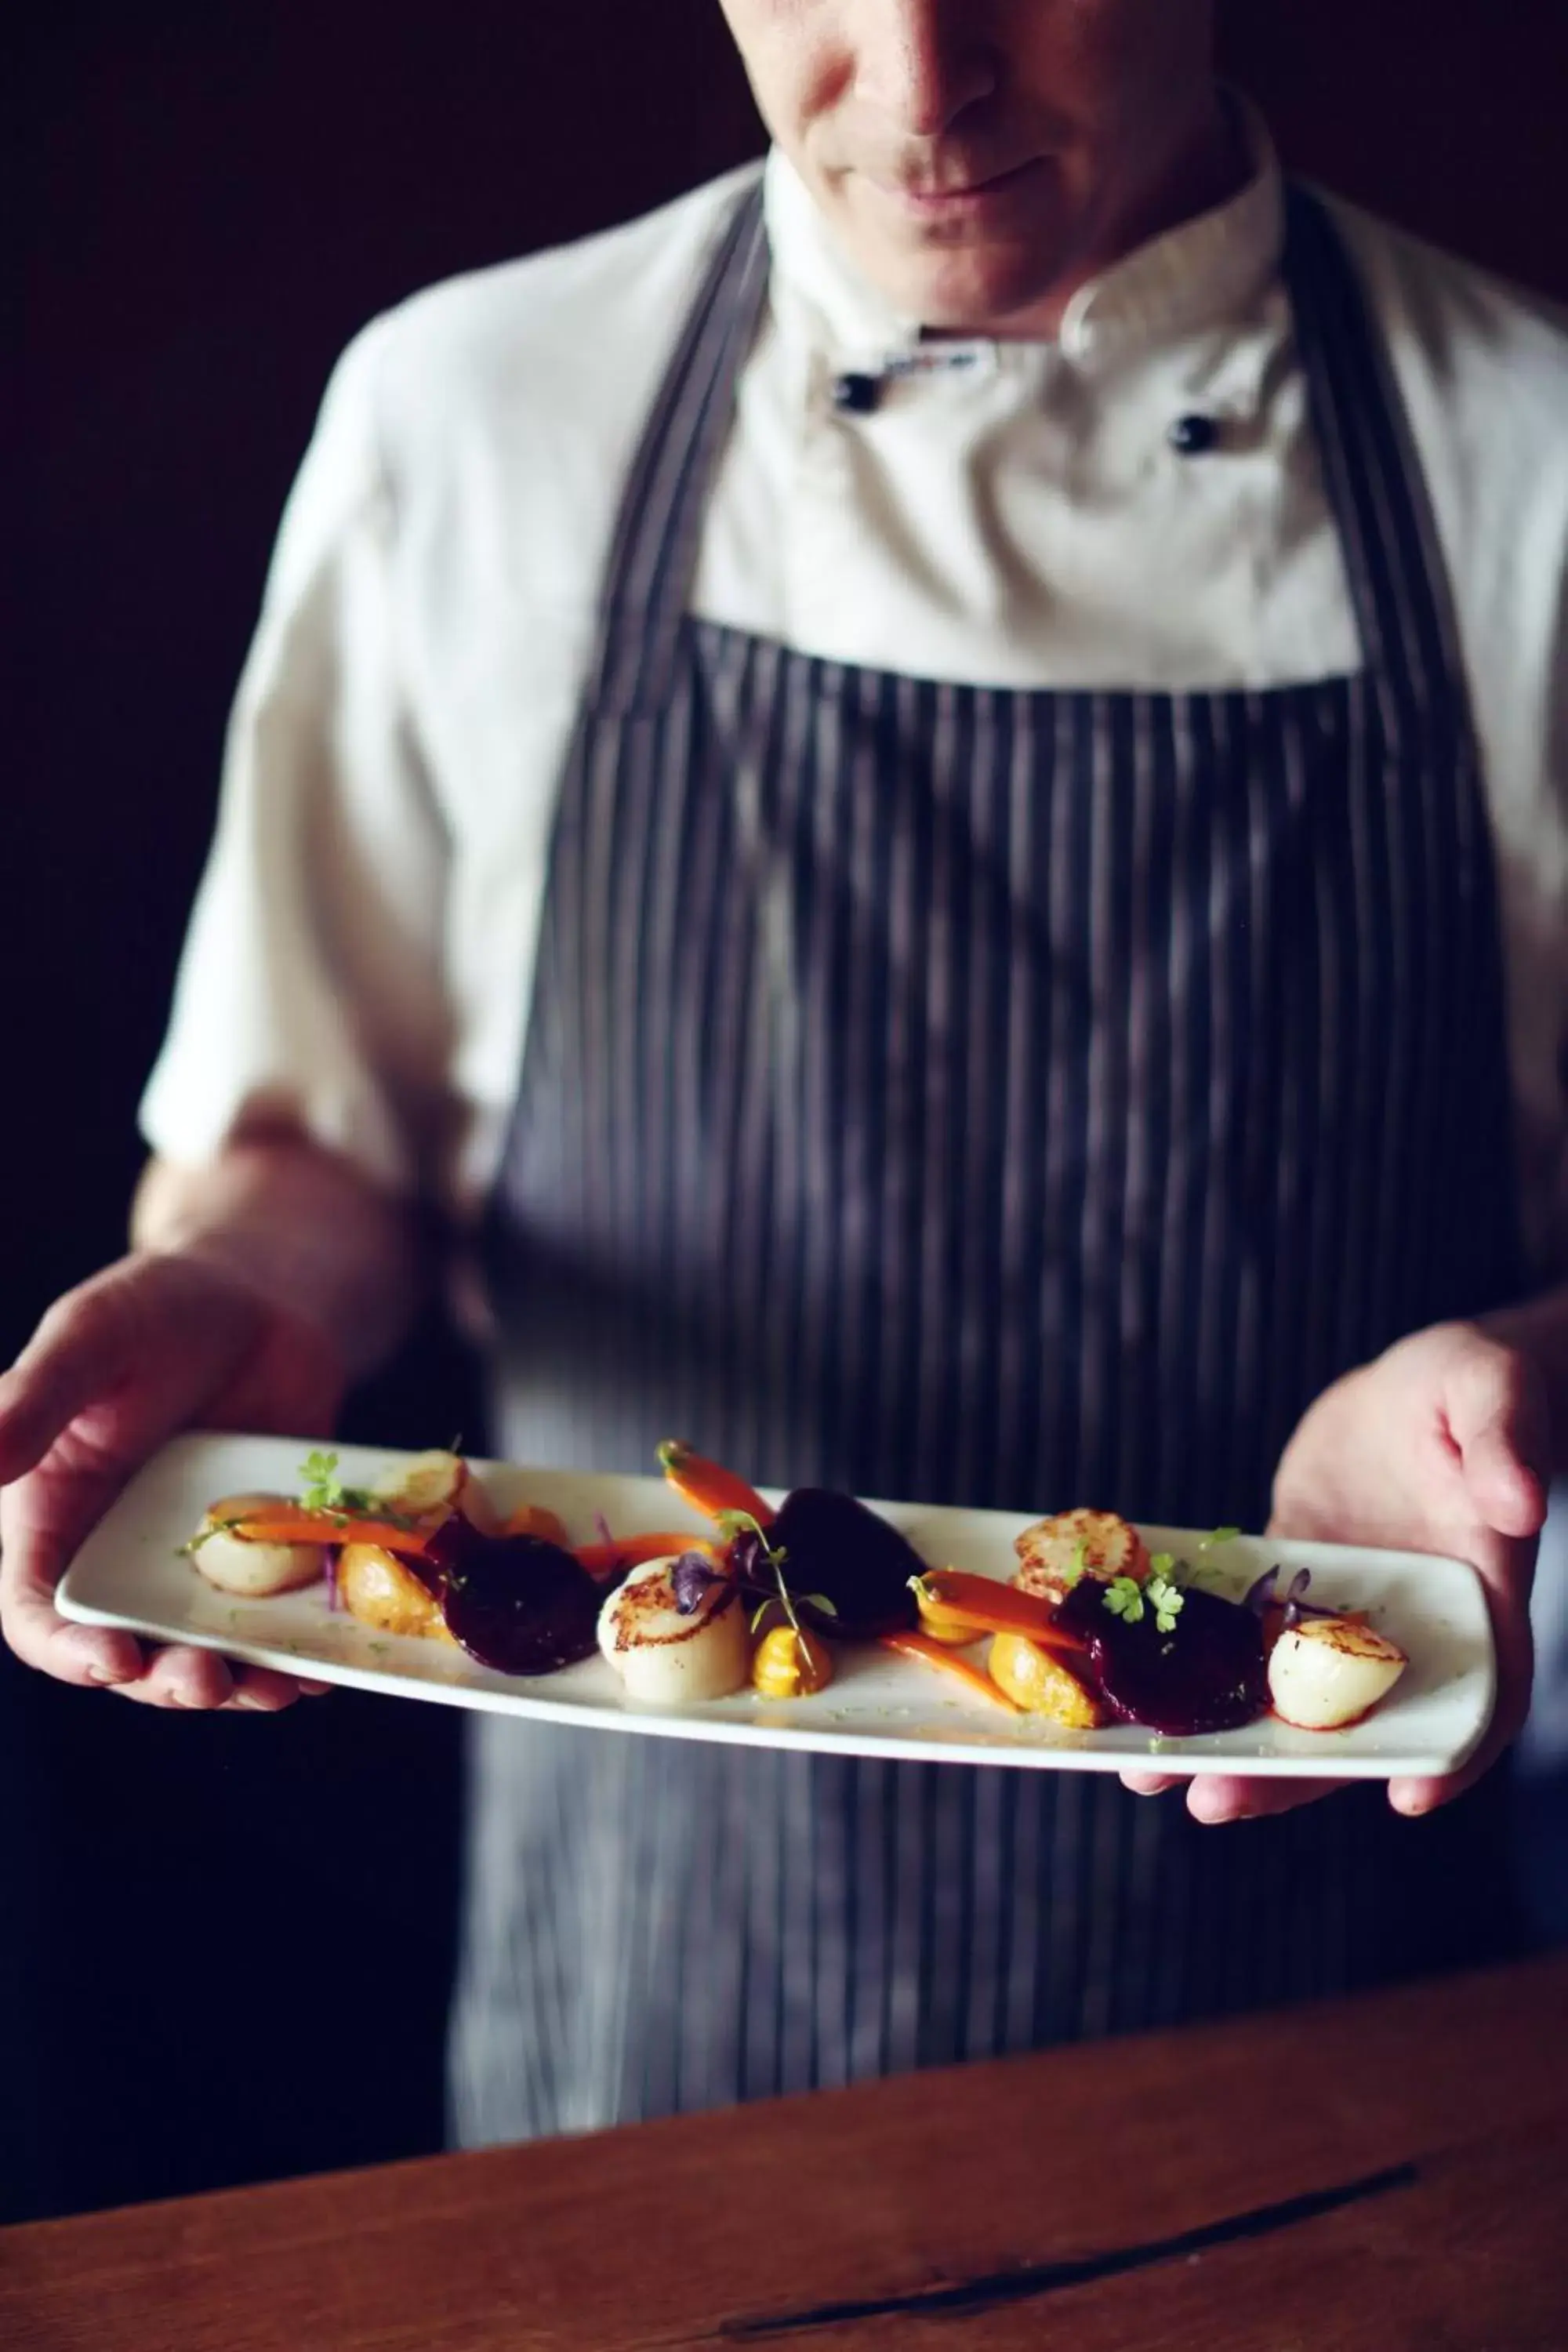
(921, 62)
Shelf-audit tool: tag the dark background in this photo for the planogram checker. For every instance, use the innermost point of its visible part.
(224, 1944)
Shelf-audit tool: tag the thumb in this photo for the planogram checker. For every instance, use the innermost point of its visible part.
(1498, 1421)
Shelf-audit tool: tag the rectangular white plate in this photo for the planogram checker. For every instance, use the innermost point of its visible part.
(130, 1573)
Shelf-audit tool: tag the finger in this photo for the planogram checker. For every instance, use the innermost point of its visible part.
(179, 1676)
(44, 1519)
(76, 1356)
(1498, 1418)
(1219, 1797)
(1151, 1784)
(260, 1690)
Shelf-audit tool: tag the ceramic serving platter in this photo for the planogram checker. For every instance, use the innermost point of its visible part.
(131, 1573)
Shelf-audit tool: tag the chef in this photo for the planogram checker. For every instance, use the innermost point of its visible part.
(929, 794)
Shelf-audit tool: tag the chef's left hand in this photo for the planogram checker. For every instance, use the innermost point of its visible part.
(1441, 1445)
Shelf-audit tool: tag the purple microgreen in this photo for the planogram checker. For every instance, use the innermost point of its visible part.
(750, 1556)
(691, 1579)
(335, 1599)
(601, 1528)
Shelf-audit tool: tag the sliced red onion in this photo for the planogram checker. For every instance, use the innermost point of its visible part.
(1260, 1594)
(1296, 1607)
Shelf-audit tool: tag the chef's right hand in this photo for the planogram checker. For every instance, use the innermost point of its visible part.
(159, 1343)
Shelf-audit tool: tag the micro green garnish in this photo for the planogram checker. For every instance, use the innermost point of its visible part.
(206, 1535)
(1219, 1536)
(1078, 1568)
(321, 1489)
(1163, 1563)
(739, 1526)
(1124, 1598)
(1127, 1599)
(1167, 1598)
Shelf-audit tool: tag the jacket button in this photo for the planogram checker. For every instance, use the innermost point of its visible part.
(857, 395)
(1195, 436)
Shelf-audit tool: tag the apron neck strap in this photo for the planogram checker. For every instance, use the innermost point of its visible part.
(654, 551)
(1373, 478)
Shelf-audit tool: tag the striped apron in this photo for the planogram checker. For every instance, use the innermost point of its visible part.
(981, 1096)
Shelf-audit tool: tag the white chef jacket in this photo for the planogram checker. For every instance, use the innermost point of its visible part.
(361, 952)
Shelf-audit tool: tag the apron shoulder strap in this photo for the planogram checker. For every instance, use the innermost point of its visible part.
(1374, 477)
(654, 551)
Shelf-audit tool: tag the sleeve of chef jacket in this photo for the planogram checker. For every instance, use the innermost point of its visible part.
(311, 980)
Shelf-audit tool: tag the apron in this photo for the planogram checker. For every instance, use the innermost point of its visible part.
(978, 1096)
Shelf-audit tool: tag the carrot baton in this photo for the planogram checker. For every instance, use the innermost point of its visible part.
(921, 1646)
(953, 1603)
(293, 1523)
(632, 1551)
(707, 1487)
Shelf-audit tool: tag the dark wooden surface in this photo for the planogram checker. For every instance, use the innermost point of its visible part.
(1371, 2176)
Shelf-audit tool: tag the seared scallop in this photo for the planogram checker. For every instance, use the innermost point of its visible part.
(252, 1570)
(665, 1658)
(1327, 1671)
(1054, 1553)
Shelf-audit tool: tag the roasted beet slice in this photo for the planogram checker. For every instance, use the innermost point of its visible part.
(515, 1602)
(1208, 1674)
(834, 1545)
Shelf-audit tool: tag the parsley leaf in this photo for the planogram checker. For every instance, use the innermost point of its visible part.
(1124, 1598)
(1168, 1599)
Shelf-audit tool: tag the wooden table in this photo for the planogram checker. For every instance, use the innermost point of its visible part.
(1367, 2176)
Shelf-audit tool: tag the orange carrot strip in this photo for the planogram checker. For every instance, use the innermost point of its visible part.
(959, 1601)
(707, 1487)
(921, 1645)
(293, 1524)
(631, 1551)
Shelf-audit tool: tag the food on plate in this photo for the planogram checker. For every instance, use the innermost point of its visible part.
(835, 1550)
(252, 1570)
(1325, 1672)
(952, 1663)
(516, 1603)
(665, 1655)
(1092, 1628)
(953, 1605)
(377, 1587)
(1041, 1681)
(531, 1520)
(1055, 1552)
(1196, 1668)
(790, 1662)
(380, 1588)
(710, 1488)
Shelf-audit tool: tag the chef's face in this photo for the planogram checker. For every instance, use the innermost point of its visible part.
(975, 156)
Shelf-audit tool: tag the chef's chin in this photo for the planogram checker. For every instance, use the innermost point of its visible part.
(968, 266)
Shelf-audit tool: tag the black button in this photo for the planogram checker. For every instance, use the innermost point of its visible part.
(857, 395)
(1195, 436)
